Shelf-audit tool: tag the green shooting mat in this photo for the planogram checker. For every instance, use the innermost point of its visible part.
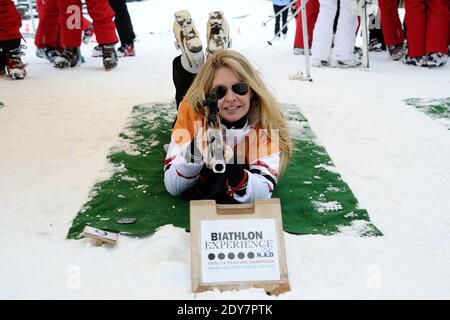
(314, 198)
(437, 109)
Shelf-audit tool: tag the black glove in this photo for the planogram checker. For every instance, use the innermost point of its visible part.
(237, 179)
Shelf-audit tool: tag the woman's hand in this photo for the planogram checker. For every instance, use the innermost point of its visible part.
(204, 144)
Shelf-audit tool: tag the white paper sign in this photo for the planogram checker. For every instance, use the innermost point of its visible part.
(239, 250)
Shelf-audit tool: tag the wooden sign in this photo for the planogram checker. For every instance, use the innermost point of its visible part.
(238, 246)
(100, 236)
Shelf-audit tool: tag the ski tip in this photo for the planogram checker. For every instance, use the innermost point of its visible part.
(269, 43)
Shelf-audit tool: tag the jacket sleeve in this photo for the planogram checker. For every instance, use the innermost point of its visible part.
(256, 183)
(180, 174)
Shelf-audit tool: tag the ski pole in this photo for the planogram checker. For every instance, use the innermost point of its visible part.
(284, 25)
(279, 12)
(365, 35)
(305, 39)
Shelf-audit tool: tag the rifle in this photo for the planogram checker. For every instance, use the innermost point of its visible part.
(214, 138)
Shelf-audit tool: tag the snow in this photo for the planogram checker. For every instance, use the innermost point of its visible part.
(57, 127)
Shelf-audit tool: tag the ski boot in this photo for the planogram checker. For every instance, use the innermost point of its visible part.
(415, 61)
(319, 63)
(69, 58)
(109, 56)
(436, 59)
(299, 51)
(355, 61)
(126, 50)
(358, 51)
(218, 32)
(420, 61)
(188, 41)
(15, 68)
(375, 45)
(47, 53)
(396, 51)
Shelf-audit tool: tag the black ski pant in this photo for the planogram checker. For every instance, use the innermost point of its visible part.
(123, 21)
(7, 46)
(182, 80)
(376, 33)
(11, 44)
(284, 15)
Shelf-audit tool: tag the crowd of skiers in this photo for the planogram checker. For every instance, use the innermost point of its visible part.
(332, 25)
(422, 40)
(61, 30)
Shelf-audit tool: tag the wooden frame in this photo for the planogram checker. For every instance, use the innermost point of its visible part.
(100, 236)
(261, 209)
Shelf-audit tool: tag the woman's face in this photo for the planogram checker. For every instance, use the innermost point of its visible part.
(232, 106)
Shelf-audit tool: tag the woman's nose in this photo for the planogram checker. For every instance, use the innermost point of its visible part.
(230, 96)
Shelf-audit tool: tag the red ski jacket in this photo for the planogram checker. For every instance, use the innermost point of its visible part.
(10, 21)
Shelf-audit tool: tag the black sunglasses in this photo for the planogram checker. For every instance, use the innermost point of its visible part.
(240, 88)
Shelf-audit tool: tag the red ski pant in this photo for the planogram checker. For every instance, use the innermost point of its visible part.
(390, 22)
(10, 21)
(312, 11)
(71, 21)
(427, 26)
(48, 33)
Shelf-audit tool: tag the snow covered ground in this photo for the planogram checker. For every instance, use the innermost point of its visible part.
(57, 127)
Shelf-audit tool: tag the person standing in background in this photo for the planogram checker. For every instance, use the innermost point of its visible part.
(124, 28)
(279, 5)
(342, 55)
(312, 11)
(392, 28)
(70, 14)
(427, 32)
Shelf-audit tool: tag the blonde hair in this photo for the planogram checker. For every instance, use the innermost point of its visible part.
(263, 104)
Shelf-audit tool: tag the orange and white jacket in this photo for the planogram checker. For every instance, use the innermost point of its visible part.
(257, 153)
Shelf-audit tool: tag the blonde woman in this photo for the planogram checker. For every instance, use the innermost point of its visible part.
(255, 135)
